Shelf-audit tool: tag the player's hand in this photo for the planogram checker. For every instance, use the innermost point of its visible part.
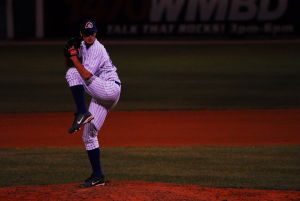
(70, 51)
(73, 52)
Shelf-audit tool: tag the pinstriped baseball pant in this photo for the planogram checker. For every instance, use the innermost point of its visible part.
(105, 95)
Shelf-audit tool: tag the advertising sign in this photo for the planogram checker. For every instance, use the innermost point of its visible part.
(187, 17)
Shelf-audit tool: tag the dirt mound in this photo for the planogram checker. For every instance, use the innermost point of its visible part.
(133, 191)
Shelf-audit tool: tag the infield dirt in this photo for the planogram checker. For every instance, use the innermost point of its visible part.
(157, 128)
(153, 128)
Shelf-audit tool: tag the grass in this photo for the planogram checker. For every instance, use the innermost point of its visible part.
(260, 167)
(160, 77)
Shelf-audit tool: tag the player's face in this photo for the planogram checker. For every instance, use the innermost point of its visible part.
(90, 39)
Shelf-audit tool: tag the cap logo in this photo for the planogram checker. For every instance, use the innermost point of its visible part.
(88, 25)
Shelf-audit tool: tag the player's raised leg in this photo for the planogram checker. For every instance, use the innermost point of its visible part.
(107, 93)
(82, 116)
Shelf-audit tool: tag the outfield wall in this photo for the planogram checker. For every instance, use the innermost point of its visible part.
(221, 19)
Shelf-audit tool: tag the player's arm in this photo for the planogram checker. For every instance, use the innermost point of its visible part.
(71, 52)
(85, 74)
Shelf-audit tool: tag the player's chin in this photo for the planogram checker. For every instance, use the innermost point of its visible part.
(90, 42)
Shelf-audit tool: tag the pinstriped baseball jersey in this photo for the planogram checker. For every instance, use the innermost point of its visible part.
(97, 61)
(104, 88)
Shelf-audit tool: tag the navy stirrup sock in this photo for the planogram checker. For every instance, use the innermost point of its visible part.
(94, 156)
(78, 96)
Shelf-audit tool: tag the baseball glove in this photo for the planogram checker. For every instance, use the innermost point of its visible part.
(72, 46)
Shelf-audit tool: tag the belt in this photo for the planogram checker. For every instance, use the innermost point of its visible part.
(118, 83)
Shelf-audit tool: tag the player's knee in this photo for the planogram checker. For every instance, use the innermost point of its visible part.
(73, 77)
(89, 133)
(89, 136)
(71, 73)
(89, 141)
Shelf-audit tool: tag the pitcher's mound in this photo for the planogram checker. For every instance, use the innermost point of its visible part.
(133, 191)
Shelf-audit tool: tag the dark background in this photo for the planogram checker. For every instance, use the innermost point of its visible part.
(61, 19)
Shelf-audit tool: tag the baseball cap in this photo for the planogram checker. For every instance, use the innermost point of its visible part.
(88, 27)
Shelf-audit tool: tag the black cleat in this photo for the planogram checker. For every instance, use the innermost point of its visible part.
(93, 181)
(79, 120)
(91, 177)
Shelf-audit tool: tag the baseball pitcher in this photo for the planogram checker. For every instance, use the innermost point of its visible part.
(91, 70)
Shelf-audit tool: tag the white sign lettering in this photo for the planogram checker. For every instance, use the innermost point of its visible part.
(217, 10)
